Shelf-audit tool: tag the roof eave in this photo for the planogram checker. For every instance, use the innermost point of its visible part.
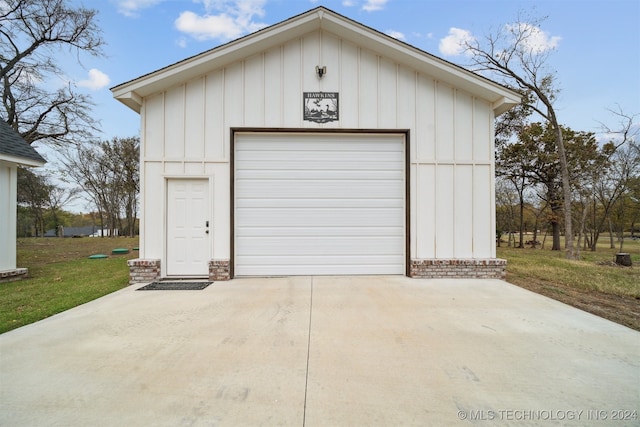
(22, 161)
(501, 97)
(504, 104)
(132, 93)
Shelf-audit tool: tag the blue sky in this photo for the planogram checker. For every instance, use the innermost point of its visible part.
(597, 43)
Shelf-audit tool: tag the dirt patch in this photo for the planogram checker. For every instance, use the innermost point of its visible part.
(622, 310)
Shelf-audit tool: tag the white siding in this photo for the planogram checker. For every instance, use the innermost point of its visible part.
(174, 143)
(186, 130)
(194, 117)
(8, 201)
(462, 206)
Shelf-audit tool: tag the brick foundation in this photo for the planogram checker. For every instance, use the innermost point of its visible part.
(13, 275)
(492, 268)
(219, 269)
(143, 270)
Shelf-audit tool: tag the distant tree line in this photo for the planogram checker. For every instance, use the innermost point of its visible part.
(105, 174)
(604, 177)
(108, 172)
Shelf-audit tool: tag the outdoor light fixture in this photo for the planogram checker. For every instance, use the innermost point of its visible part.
(321, 71)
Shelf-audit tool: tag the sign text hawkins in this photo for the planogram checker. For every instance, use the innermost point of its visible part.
(320, 107)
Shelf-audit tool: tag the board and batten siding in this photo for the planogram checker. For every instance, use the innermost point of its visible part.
(186, 132)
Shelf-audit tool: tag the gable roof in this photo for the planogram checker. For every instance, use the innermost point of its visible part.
(14, 149)
(132, 92)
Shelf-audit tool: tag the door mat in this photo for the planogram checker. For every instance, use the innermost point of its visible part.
(175, 286)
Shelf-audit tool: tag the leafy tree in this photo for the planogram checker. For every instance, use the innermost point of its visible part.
(513, 163)
(41, 202)
(512, 55)
(32, 32)
(533, 159)
(505, 209)
(33, 194)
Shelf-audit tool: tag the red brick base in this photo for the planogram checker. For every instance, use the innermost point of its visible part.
(143, 270)
(219, 269)
(492, 268)
(13, 275)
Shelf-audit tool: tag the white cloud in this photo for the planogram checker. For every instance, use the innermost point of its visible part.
(131, 7)
(181, 42)
(348, 3)
(373, 5)
(223, 19)
(453, 44)
(536, 40)
(97, 80)
(396, 35)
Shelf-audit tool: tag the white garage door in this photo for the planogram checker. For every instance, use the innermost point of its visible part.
(319, 204)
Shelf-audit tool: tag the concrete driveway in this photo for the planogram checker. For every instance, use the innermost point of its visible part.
(322, 351)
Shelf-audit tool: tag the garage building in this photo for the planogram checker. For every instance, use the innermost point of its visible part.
(316, 146)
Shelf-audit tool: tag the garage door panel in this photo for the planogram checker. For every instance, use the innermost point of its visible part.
(309, 232)
(319, 270)
(315, 260)
(292, 217)
(253, 166)
(315, 265)
(319, 204)
(322, 245)
(330, 153)
(349, 202)
(309, 143)
(321, 174)
(317, 188)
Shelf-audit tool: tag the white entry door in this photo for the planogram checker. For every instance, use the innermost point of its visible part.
(188, 248)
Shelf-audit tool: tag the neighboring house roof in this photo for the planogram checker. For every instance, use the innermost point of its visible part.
(14, 149)
(74, 231)
(132, 92)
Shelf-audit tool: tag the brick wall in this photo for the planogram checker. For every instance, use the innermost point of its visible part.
(143, 270)
(219, 269)
(13, 275)
(493, 268)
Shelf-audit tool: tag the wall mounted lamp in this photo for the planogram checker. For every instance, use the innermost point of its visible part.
(321, 71)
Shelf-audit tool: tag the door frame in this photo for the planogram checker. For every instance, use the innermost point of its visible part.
(328, 131)
(165, 220)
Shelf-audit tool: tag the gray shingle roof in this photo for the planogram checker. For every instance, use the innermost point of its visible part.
(12, 144)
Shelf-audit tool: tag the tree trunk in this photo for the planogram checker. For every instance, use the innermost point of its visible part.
(581, 230)
(521, 244)
(594, 241)
(612, 244)
(555, 227)
(572, 251)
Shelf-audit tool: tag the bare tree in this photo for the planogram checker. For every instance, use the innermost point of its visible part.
(40, 198)
(623, 166)
(512, 55)
(506, 201)
(33, 194)
(32, 33)
(108, 172)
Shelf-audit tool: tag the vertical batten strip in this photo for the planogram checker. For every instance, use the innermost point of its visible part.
(281, 75)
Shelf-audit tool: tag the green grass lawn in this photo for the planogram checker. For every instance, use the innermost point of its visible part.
(61, 277)
(594, 272)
